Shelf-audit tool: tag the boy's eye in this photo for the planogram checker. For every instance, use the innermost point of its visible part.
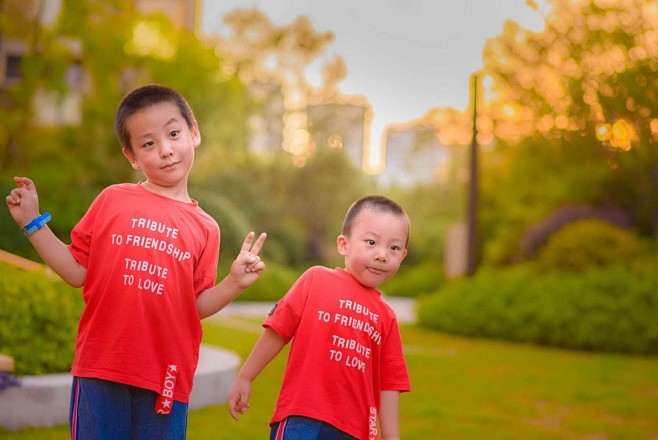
(395, 248)
(370, 242)
(174, 133)
(148, 144)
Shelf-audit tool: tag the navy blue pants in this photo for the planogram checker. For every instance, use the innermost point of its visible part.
(104, 410)
(304, 428)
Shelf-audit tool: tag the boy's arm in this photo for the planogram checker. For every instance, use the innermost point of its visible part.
(267, 347)
(23, 204)
(389, 415)
(245, 270)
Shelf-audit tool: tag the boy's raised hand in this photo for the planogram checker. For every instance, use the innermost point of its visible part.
(248, 267)
(22, 201)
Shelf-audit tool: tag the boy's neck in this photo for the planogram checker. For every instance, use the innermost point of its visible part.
(178, 192)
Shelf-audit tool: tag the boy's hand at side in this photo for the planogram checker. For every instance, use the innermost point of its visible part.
(269, 344)
(238, 398)
(248, 267)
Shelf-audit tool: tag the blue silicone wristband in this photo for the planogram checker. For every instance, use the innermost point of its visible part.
(36, 224)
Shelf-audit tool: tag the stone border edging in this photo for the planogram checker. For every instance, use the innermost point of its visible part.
(43, 401)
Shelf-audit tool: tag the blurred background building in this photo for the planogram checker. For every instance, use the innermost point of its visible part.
(413, 154)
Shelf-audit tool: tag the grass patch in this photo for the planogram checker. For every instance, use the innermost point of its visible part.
(465, 389)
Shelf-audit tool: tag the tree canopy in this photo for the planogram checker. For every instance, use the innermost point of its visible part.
(567, 114)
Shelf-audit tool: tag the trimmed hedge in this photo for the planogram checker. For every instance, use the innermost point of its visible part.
(414, 281)
(39, 319)
(612, 309)
(589, 243)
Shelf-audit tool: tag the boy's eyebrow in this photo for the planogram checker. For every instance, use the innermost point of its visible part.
(149, 134)
(170, 121)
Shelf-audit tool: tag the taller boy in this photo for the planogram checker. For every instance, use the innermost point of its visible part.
(146, 255)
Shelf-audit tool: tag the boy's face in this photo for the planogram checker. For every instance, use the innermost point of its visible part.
(375, 247)
(162, 145)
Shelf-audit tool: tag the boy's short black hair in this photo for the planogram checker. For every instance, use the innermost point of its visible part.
(143, 97)
(376, 203)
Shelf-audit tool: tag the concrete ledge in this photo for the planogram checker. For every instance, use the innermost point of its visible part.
(214, 377)
(43, 401)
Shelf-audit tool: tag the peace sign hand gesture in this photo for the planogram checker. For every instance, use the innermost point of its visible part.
(245, 270)
(248, 267)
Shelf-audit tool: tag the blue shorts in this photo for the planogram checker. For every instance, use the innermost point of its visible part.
(304, 428)
(104, 410)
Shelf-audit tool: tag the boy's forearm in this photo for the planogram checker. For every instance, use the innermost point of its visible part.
(389, 415)
(269, 344)
(58, 256)
(213, 300)
(266, 348)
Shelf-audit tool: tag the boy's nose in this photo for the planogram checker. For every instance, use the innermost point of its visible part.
(381, 255)
(166, 151)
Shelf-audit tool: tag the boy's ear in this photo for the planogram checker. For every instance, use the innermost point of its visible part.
(341, 242)
(196, 135)
(131, 157)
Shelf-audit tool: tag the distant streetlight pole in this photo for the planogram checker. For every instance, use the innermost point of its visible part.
(472, 229)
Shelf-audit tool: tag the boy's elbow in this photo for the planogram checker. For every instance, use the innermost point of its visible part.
(205, 308)
(77, 283)
(75, 279)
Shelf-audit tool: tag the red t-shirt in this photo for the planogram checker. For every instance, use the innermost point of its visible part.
(147, 259)
(346, 348)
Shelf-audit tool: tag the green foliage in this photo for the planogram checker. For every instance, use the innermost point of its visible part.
(607, 309)
(300, 208)
(414, 281)
(559, 173)
(319, 195)
(583, 244)
(561, 86)
(432, 208)
(39, 321)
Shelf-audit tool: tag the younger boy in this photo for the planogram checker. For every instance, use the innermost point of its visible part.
(345, 367)
(146, 255)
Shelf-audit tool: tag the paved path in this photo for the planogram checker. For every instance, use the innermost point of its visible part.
(405, 309)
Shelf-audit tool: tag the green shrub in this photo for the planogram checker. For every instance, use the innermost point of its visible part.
(605, 309)
(39, 319)
(589, 243)
(416, 280)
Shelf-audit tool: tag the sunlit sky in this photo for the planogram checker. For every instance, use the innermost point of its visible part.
(404, 56)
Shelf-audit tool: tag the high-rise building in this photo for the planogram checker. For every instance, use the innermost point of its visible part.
(413, 154)
(340, 126)
(267, 123)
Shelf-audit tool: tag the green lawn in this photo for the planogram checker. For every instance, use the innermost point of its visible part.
(467, 389)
